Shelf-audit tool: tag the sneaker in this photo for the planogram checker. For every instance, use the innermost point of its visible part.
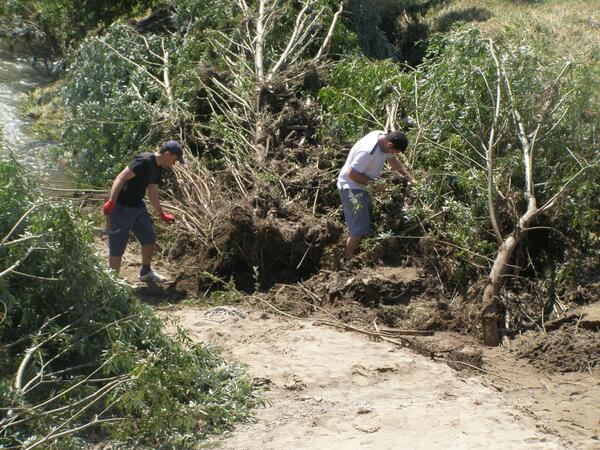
(152, 277)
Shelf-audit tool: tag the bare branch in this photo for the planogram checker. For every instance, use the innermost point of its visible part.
(36, 277)
(550, 203)
(525, 146)
(259, 43)
(166, 79)
(300, 19)
(16, 225)
(16, 264)
(53, 434)
(18, 383)
(23, 239)
(364, 108)
(325, 46)
(391, 112)
(131, 61)
(490, 147)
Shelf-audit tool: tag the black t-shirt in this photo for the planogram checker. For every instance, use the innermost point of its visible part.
(146, 172)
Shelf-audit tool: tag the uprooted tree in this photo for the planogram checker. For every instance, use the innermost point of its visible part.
(232, 94)
(512, 129)
(263, 57)
(545, 119)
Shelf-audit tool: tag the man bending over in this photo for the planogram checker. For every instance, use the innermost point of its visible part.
(363, 166)
(126, 210)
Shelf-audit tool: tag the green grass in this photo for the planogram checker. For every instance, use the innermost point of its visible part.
(566, 29)
(43, 106)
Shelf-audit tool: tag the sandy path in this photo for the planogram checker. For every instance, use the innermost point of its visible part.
(568, 404)
(333, 390)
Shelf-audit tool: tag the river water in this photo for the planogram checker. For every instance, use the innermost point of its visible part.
(17, 78)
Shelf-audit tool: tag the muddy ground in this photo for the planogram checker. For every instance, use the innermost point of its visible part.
(326, 387)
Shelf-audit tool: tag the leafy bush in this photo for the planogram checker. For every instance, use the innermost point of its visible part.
(456, 100)
(79, 351)
(48, 28)
(357, 93)
(114, 95)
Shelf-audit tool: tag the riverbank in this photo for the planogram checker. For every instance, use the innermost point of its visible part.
(35, 152)
(259, 220)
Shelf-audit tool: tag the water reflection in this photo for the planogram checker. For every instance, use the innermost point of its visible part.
(17, 77)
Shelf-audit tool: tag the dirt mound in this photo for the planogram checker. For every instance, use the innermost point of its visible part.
(266, 242)
(571, 342)
(371, 286)
(390, 296)
(568, 349)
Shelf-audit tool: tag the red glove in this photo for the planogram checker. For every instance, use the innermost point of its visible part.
(167, 217)
(108, 207)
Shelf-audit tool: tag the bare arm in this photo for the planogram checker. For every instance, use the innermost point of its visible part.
(358, 177)
(125, 175)
(153, 196)
(401, 169)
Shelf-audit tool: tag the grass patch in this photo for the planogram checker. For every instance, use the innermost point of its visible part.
(44, 106)
(566, 29)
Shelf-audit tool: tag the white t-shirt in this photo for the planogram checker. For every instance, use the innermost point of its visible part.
(366, 158)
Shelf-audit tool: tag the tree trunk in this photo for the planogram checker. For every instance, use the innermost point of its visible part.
(490, 308)
(489, 316)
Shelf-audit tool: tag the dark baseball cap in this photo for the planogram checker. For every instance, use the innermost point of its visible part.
(399, 140)
(174, 148)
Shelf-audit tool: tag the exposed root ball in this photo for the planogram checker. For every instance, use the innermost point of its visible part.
(265, 244)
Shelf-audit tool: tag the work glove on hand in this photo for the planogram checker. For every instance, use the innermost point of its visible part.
(108, 207)
(167, 217)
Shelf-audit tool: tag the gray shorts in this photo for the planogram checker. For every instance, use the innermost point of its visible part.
(357, 210)
(125, 219)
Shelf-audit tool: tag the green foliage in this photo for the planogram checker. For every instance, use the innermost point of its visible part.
(48, 28)
(180, 389)
(357, 93)
(457, 91)
(365, 17)
(114, 94)
(395, 29)
(222, 292)
(197, 16)
(101, 352)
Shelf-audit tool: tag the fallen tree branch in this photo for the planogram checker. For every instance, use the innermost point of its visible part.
(16, 264)
(490, 148)
(21, 219)
(275, 309)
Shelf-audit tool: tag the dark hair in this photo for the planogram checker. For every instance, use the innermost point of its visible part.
(399, 140)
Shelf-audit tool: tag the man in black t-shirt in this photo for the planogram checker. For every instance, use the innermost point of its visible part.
(126, 210)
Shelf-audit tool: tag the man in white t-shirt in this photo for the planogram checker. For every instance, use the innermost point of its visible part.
(363, 166)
